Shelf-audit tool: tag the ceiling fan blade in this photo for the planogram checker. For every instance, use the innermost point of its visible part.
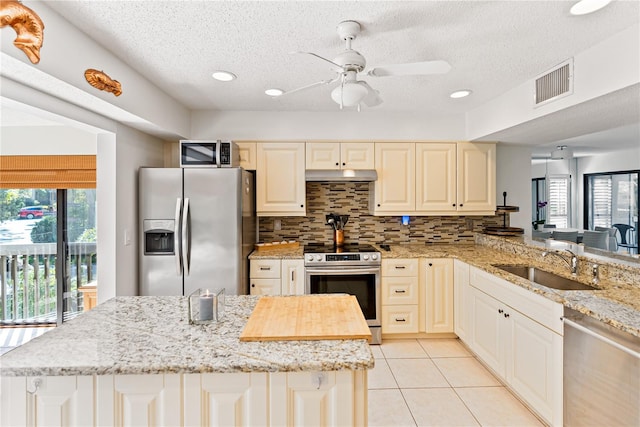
(372, 98)
(411, 69)
(311, 86)
(338, 66)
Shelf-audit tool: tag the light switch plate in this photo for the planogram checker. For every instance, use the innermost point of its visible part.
(127, 237)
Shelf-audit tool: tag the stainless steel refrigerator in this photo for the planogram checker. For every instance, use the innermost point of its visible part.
(197, 228)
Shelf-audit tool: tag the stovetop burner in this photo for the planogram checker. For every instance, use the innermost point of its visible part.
(349, 248)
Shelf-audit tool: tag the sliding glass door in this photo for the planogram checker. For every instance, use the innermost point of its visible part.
(611, 200)
(48, 256)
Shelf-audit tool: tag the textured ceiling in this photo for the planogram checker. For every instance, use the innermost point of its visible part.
(491, 46)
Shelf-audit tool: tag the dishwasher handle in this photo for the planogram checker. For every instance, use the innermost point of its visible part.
(602, 338)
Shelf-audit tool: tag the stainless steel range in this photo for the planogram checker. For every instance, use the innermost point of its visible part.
(350, 269)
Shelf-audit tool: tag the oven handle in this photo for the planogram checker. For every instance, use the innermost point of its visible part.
(367, 270)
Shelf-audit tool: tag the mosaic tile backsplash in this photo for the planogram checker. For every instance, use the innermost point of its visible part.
(352, 198)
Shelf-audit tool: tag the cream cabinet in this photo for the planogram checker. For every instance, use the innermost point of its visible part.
(476, 183)
(438, 295)
(461, 299)
(44, 401)
(400, 296)
(229, 399)
(455, 178)
(340, 155)
(280, 181)
(247, 154)
(518, 335)
(336, 398)
(394, 191)
(292, 279)
(138, 400)
(276, 277)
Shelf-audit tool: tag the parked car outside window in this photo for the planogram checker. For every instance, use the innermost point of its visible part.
(31, 212)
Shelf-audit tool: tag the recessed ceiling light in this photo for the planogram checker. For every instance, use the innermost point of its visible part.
(460, 93)
(223, 76)
(274, 92)
(584, 7)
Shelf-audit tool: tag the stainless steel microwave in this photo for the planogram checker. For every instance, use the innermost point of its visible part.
(214, 154)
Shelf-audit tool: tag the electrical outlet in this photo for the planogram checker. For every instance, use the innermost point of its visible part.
(277, 225)
(127, 237)
(469, 224)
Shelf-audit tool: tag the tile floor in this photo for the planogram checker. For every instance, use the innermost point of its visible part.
(437, 382)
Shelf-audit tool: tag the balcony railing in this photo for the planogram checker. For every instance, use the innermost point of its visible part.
(28, 289)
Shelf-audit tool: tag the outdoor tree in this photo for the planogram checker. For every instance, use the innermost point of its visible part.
(11, 201)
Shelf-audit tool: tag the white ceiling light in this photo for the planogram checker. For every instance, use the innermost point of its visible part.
(223, 76)
(460, 93)
(349, 94)
(274, 92)
(584, 7)
(561, 152)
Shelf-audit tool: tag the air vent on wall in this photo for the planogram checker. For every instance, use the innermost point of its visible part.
(555, 84)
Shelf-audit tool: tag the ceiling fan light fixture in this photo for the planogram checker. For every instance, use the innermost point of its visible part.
(460, 93)
(584, 7)
(274, 92)
(349, 94)
(223, 76)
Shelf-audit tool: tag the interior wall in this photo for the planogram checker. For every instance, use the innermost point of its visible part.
(512, 176)
(46, 140)
(134, 149)
(339, 125)
(610, 65)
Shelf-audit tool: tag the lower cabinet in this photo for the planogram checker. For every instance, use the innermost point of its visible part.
(276, 277)
(438, 294)
(400, 296)
(524, 350)
(337, 398)
(462, 310)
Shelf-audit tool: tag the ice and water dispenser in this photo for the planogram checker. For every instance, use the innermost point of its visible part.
(159, 236)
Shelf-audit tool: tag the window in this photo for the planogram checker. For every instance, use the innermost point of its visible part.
(559, 196)
(611, 199)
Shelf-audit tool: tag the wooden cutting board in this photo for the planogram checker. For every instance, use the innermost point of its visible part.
(306, 317)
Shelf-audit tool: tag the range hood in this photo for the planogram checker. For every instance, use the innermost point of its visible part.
(343, 175)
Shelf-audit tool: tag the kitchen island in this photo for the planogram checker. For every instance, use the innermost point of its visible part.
(137, 360)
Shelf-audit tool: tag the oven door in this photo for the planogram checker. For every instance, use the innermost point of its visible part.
(363, 283)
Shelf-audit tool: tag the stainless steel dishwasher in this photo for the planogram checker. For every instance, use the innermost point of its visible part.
(601, 373)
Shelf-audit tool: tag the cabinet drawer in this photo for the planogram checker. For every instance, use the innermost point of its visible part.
(264, 286)
(265, 268)
(399, 290)
(399, 319)
(400, 267)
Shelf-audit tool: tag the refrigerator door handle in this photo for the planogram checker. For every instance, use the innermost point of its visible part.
(186, 237)
(176, 237)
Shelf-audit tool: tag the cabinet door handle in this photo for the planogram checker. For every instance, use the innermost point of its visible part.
(399, 291)
(506, 315)
(430, 264)
(400, 267)
(500, 311)
(400, 319)
(293, 272)
(337, 164)
(344, 164)
(253, 285)
(302, 206)
(378, 204)
(453, 205)
(461, 205)
(265, 268)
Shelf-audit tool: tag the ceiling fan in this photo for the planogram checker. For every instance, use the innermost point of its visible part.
(351, 92)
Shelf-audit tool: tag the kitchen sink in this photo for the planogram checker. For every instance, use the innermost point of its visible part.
(545, 278)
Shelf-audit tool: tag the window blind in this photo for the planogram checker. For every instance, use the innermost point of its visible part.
(601, 191)
(64, 172)
(559, 202)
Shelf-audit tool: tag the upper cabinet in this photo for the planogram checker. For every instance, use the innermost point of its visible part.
(336, 155)
(280, 184)
(476, 178)
(394, 191)
(247, 155)
(456, 178)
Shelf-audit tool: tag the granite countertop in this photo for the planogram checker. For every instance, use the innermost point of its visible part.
(152, 335)
(615, 302)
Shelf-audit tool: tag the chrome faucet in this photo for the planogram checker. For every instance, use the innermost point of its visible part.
(573, 263)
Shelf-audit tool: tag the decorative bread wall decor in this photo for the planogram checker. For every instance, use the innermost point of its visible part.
(100, 80)
(27, 25)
